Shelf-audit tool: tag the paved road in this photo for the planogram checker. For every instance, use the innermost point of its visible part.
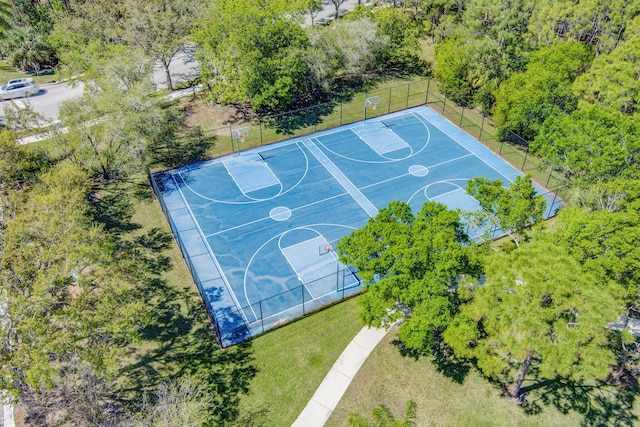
(183, 68)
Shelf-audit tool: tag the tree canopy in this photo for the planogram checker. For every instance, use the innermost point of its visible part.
(537, 308)
(410, 265)
(253, 52)
(510, 210)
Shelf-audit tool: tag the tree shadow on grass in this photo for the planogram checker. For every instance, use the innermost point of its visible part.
(442, 358)
(600, 404)
(178, 339)
(112, 208)
(183, 345)
(189, 147)
(307, 118)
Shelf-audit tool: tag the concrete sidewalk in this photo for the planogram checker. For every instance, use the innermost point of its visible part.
(330, 391)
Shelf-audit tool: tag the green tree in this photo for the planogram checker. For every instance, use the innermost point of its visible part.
(182, 402)
(253, 52)
(510, 210)
(594, 143)
(313, 8)
(6, 13)
(346, 48)
(600, 24)
(83, 33)
(115, 120)
(337, 4)
(451, 69)
(526, 99)
(411, 265)
(67, 289)
(160, 29)
(28, 49)
(382, 417)
(613, 77)
(606, 243)
(537, 308)
(400, 31)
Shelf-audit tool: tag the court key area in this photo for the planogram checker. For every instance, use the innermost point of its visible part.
(258, 228)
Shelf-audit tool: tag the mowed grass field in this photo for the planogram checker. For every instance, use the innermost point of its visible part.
(387, 377)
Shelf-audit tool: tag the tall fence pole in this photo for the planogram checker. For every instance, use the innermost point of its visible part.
(546, 185)
(444, 103)
(481, 127)
(461, 115)
(408, 87)
(389, 104)
(302, 290)
(261, 316)
(552, 203)
(426, 97)
(526, 153)
(260, 123)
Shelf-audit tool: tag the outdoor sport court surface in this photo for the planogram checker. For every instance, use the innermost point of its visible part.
(258, 228)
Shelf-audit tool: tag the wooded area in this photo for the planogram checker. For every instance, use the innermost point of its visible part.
(78, 288)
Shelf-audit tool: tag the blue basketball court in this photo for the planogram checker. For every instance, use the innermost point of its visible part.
(258, 229)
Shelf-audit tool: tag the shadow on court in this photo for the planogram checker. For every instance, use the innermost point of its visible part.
(177, 339)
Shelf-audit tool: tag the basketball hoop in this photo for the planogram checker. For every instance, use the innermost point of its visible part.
(238, 136)
(370, 103)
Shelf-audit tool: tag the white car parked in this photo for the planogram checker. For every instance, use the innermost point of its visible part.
(18, 88)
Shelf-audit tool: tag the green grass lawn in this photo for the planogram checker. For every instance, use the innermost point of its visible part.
(7, 72)
(389, 378)
(292, 362)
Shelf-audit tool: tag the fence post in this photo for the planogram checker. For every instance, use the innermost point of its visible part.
(261, 316)
(426, 97)
(340, 113)
(461, 115)
(260, 123)
(303, 310)
(526, 153)
(549, 177)
(231, 137)
(408, 87)
(389, 105)
(481, 127)
(552, 204)
(444, 102)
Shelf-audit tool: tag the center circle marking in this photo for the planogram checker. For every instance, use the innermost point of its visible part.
(418, 170)
(280, 213)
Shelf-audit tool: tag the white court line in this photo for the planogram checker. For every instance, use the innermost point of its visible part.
(409, 173)
(252, 199)
(342, 179)
(279, 237)
(269, 217)
(211, 254)
(447, 193)
(467, 149)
